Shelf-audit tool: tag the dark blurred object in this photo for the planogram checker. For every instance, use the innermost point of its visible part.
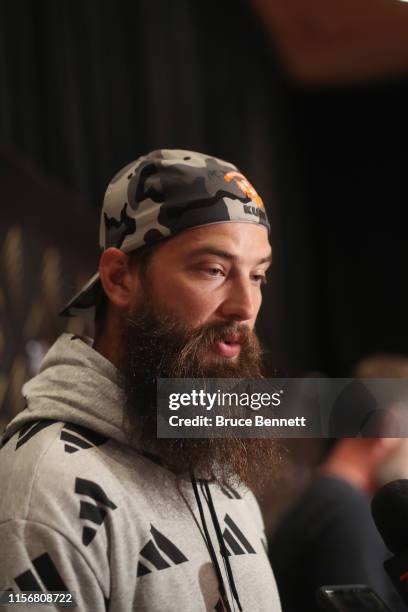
(350, 598)
(338, 41)
(47, 242)
(390, 512)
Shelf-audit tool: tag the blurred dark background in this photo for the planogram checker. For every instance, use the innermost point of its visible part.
(86, 87)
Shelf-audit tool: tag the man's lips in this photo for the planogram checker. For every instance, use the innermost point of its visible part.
(229, 347)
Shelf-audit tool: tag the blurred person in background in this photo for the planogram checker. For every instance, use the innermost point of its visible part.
(92, 501)
(328, 537)
(389, 366)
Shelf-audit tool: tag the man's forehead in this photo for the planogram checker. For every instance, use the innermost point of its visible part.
(235, 240)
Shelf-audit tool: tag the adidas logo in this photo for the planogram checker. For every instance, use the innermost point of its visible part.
(93, 512)
(151, 553)
(44, 576)
(236, 542)
(77, 438)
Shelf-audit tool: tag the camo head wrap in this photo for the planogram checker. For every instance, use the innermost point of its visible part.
(163, 193)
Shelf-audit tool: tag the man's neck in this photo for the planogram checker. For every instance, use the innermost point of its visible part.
(107, 344)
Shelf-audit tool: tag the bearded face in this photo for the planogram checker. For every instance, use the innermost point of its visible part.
(158, 345)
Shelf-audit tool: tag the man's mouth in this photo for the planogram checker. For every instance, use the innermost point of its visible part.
(229, 346)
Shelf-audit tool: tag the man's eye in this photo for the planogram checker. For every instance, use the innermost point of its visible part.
(260, 278)
(214, 271)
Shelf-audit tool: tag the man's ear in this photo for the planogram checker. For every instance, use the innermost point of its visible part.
(119, 282)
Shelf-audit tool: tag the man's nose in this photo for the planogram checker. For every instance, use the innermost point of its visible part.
(239, 302)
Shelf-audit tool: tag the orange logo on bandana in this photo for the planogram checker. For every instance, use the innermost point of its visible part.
(245, 186)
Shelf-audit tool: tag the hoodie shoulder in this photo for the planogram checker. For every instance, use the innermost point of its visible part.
(41, 460)
(55, 475)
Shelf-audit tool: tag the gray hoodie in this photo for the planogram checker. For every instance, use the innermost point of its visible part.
(83, 511)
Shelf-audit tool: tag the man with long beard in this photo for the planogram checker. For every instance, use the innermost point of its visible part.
(92, 501)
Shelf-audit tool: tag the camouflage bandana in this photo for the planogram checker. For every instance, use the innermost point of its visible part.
(163, 193)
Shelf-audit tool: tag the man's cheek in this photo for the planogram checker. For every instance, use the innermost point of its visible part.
(196, 314)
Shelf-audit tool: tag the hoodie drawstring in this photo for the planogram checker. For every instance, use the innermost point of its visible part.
(221, 585)
(223, 549)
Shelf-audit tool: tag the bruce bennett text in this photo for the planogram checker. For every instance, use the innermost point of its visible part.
(220, 421)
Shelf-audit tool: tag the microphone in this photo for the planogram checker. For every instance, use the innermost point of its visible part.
(389, 508)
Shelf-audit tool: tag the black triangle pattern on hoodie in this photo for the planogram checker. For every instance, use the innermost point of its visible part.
(230, 492)
(77, 437)
(30, 430)
(95, 513)
(150, 552)
(46, 571)
(235, 539)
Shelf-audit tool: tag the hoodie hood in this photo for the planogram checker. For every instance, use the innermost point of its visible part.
(75, 384)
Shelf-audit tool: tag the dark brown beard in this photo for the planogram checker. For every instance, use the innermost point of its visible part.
(157, 345)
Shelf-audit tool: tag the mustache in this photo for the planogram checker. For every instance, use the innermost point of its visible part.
(206, 335)
(185, 347)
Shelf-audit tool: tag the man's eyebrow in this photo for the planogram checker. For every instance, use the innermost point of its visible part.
(210, 250)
